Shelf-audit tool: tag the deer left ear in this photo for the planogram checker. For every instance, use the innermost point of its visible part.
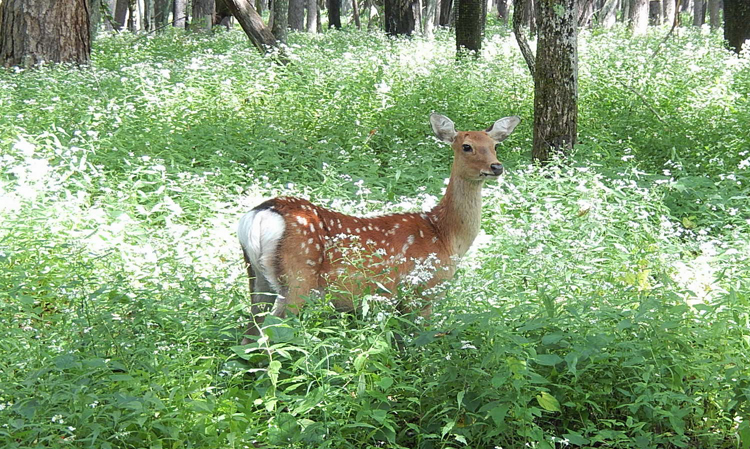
(443, 127)
(503, 127)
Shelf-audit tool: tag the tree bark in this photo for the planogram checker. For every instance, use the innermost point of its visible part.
(502, 10)
(669, 7)
(555, 79)
(179, 13)
(297, 15)
(252, 24)
(699, 13)
(355, 15)
(95, 17)
(713, 11)
(121, 14)
(469, 26)
(203, 15)
(334, 13)
(312, 16)
(40, 31)
(399, 17)
(161, 14)
(655, 13)
(446, 7)
(518, 31)
(429, 20)
(280, 22)
(736, 23)
(639, 17)
(608, 14)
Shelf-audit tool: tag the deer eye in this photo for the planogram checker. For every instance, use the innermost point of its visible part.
(467, 148)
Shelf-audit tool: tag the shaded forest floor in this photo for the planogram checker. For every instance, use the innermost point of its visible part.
(606, 303)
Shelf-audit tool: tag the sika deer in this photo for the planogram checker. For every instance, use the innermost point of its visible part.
(293, 247)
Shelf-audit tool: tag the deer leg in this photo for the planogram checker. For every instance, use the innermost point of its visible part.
(262, 296)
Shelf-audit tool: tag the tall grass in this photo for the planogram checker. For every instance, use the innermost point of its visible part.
(606, 303)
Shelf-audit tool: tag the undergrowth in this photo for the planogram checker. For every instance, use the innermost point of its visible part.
(605, 304)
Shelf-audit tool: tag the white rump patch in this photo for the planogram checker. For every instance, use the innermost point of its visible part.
(259, 232)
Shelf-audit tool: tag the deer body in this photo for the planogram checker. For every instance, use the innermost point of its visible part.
(294, 248)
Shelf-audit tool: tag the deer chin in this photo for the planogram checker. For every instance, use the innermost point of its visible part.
(483, 175)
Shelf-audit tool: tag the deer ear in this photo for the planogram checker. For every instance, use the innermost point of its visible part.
(503, 127)
(443, 127)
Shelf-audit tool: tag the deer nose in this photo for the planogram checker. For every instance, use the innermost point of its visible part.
(497, 169)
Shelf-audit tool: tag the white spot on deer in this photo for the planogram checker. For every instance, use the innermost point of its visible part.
(356, 230)
(317, 246)
(348, 230)
(311, 262)
(421, 234)
(320, 225)
(312, 227)
(405, 220)
(434, 239)
(424, 217)
(301, 220)
(410, 240)
(307, 250)
(370, 242)
(302, 245)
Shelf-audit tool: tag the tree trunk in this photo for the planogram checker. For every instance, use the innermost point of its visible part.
(556, 79)
(713, 10)
(399, 17)
(121, 14)
(280, 22)
(669, 7)
(40, 31)
(518, 31)
(655, 12)
(585, 13)
(736, 23)
(502, 10)
(203, 15)
(355, 15)
(179, 13)
(312, 16)
(297, 15)
(469, 26)
(445, 12)
(608, 14)
(252, 24)
(334, 13)
(639, 17)
(161, 14)
(699, 13)
(95, 16)
(132, 25)
(429, 20)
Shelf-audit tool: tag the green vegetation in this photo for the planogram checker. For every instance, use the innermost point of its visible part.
(606, 305)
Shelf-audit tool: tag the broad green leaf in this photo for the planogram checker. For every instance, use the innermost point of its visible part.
(548, 402)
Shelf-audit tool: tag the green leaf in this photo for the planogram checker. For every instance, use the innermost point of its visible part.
(548, 402)
(548, 359)
(273, 371)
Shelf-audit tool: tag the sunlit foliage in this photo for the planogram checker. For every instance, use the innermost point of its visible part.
(606, 304)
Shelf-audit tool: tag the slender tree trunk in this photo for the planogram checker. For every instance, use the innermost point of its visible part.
(334, 13)
(469, 26)
(502, 10)
(446, 6)
(179, 12)
(518, 31)
(132, 26)
(30, 32)
(608, 14)
(736, 23)
(626, 7)
(95, 16)
(639, 17)
(399, 17)
(713, 10)
(161, 14)
(429, 21)
(699, 13)
(556, 79)
(252, 24)
(121, 14)
(312, 16)
(280, 22)
(297, 15)
(655, 12)
(669, 7)
(203, 15)
(355, 14)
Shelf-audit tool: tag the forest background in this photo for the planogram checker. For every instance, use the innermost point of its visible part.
(606, 303)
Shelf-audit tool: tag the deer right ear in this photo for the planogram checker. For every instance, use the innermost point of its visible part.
(443, 127)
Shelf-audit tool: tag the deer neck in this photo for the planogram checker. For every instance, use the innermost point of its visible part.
(458, 215)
